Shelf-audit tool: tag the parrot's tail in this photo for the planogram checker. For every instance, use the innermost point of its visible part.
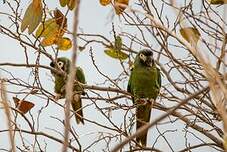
(77, 106)
(143, 113)
(142, 139)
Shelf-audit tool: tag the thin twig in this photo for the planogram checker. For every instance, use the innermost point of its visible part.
(69, 84)
(7, 113)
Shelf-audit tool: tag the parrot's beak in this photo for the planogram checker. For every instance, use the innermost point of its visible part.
(149, 61)
(52, 64)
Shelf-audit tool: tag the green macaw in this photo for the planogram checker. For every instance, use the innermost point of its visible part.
(60, 82)
(144, 84)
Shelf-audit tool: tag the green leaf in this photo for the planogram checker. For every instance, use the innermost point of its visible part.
(117, 54)
(118, 43)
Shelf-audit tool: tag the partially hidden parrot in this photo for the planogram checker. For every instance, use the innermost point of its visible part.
(144, 84)
(60, 85)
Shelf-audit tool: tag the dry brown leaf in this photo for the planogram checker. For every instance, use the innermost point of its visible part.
(22, 105)
(60, 19)
(118, 8)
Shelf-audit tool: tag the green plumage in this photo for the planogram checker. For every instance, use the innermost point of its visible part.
(60, 82)
(144, 84)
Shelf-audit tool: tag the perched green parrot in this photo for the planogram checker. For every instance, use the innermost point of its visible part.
(60, 82)
(144, 84)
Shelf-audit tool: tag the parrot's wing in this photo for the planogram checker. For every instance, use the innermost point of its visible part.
(129, 82)
(77, 107)
(80, 75)
(129, 87)
(159, 77)
(77, 103)
(59, 87)
(81, 78)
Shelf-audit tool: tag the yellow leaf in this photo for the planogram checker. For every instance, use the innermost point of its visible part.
(225, 142)
(32, 17)
(117, 54)
(26, 19)
(50, 40)
(51, 37)
(190, 34)
(217, 2)
(104, 2)
(71, 4)
(50, 31)
(63, 3)
(49, 26)
(64, 43)
(118, 6)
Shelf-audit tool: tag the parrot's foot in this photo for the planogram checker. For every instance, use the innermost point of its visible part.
(83, 93)
(145, 100)
(151, 100)
(76, 97)
(63, 89)
(57, 97)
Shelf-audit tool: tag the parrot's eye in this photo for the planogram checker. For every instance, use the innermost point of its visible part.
(143, 57)
(60, 64)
